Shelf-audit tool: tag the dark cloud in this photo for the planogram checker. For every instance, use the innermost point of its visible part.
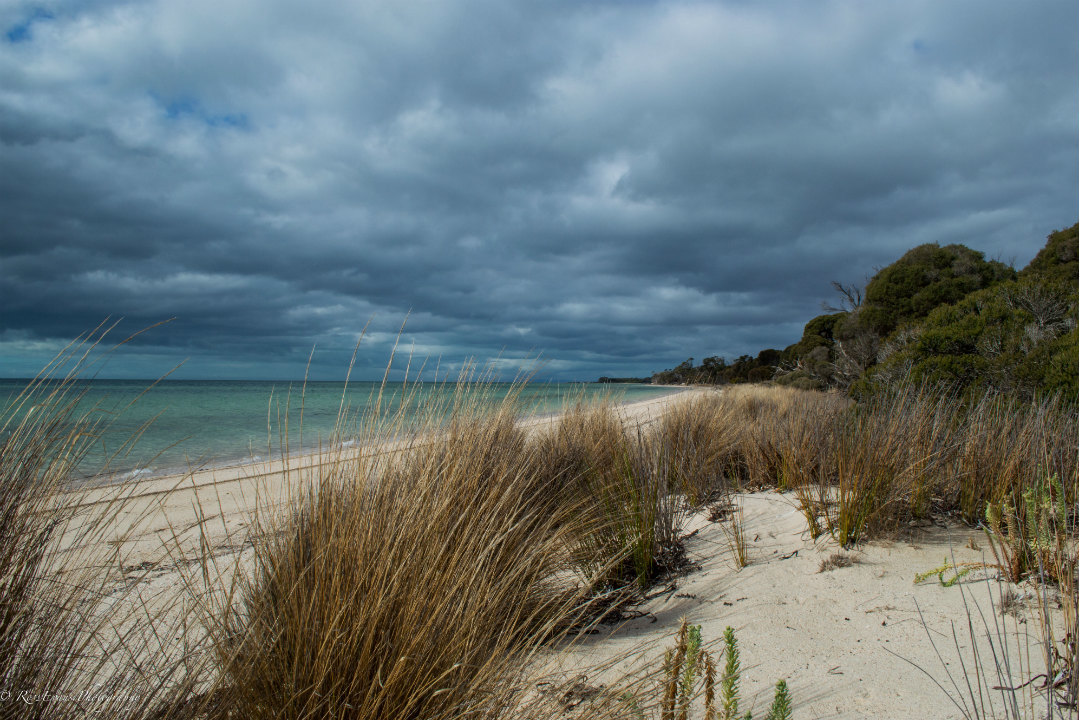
(615, 185)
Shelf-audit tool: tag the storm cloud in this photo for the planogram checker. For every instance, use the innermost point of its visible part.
(617, 186)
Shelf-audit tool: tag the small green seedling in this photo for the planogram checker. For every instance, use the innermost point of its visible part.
(960, 571)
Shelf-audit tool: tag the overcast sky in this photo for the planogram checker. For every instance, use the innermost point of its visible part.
(614, 185)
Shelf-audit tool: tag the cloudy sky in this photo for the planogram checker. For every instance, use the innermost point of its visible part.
(614, 185)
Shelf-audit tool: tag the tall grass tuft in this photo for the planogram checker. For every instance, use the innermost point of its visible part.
(887, 453)
(620, 479)
(413, 586)
(1004, 444)
(701, 438)
(735, 532)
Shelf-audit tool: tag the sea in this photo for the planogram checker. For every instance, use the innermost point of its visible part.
(149, 429)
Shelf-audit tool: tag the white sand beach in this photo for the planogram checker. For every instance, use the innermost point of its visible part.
(851, 642)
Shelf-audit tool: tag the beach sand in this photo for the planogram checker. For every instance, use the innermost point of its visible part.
(849, 641)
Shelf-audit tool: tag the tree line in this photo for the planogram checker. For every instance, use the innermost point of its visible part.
(941, 314)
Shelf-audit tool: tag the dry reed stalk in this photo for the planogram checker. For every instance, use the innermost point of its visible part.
(577, 460)
(807, 447)
(883, 472)
(804, 436)
(761, 459)
(1005, 444)
(674, 668)
(995, 453)
(735, 532)
(710, 686)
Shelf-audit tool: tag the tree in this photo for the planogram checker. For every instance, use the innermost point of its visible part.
(924, 278)
(712, 369)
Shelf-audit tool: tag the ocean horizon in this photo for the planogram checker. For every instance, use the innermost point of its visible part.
(183, 425)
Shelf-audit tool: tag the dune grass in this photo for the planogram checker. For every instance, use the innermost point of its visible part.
(420, 583)
(71, 639)
(702, 440)
(414, 588)
(411, 584)
(860, 470)
(627, 482)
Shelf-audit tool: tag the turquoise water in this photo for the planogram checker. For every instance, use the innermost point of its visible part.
(199, 423)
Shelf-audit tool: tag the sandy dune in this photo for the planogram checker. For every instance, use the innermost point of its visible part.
(835, 636)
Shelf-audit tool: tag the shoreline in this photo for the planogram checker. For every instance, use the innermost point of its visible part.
(235, 463)
(237, 459)
(165, 509)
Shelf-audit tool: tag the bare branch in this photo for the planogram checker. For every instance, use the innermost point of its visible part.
(851, 297)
